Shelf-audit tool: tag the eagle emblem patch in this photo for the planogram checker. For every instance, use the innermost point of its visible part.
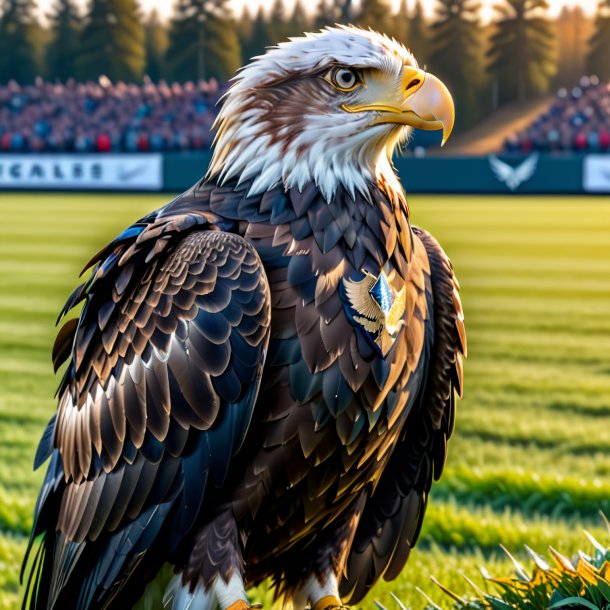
(376, 308)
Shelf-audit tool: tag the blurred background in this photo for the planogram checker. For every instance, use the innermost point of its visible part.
(106, 108)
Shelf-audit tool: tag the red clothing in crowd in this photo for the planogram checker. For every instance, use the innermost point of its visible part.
(580, 141)
(143, 143)
(103, 143)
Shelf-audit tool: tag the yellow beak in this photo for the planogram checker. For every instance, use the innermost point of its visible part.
(426, 104)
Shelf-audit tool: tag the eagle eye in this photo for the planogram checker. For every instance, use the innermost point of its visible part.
(344, 79)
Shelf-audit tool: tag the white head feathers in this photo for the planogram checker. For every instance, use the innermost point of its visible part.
(280, 122)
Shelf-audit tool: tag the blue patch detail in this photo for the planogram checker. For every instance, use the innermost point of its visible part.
(132, 231)
(382, 293)
(109, 262)
(350, 312)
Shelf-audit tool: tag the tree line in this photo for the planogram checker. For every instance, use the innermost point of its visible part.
(519, 55)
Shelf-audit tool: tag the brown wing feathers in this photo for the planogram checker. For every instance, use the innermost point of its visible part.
(153, 340)
(165, 364)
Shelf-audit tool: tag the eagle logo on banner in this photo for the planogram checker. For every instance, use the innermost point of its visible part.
(377, 308)
(514, 177)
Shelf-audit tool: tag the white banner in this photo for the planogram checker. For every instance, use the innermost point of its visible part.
(596, 173)
(138, 172)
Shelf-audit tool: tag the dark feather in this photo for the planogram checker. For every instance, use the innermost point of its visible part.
(63, 343)
(45, 446)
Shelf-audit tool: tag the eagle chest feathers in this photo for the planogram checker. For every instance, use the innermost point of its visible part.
(350, 288)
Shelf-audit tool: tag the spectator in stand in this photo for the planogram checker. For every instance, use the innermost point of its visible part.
(103, 143)
(107, 117)
(577, 121)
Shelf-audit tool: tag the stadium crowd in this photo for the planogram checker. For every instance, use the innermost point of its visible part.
(107, 117)
(160, 117)
(578, 120)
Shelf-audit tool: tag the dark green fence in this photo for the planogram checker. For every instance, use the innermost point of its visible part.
(529, 174)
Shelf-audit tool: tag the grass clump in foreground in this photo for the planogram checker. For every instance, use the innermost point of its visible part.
(579, 583)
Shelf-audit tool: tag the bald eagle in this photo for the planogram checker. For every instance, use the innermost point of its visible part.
(262, 378)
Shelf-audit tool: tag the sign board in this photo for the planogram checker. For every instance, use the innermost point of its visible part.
(123, 172)
(532, 174)
(596, 174)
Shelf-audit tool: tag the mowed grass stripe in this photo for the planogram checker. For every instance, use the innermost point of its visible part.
(528, 496)
(535, 285)
(512, 214)
(11, 553)
(556, 432)
(560, 264)
(529, 327)
(487, 341)
(466, 525)
(493, 459)
(44, 267)
(544, 305)
(521, 378)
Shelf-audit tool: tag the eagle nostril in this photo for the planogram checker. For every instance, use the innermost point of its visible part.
(413, 83)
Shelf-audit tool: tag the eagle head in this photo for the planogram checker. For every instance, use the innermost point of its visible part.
(329, 106)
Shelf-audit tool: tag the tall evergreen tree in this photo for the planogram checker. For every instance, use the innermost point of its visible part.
(156, 42)
(399, 26)
(244, 27)
(299, 21)
(130, 39)
(346, 11)
(521, 55)
(324, 14)
(598, 57)
(203, 41)
(574, 28)
(455, 56)
(375, 14)
(277, 24)
(63, 50)
(17, 33)
(418, 34)
(112, 41)
(330, 12)
(259, 38)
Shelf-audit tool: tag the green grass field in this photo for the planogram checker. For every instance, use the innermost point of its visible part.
(528, 463)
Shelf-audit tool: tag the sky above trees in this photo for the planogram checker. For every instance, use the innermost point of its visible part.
(165, 8)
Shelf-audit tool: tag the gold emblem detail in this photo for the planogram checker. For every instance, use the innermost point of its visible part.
(380, 309)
